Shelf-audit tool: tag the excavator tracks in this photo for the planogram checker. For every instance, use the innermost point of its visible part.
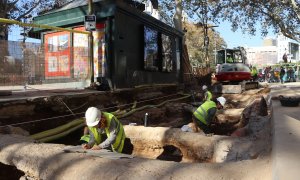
(234, 88)
(250, 85)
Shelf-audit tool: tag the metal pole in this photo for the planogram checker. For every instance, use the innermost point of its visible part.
(206, 46)
(90, 42)
(24, 30)
(146, 120)
(225, 55)
(206, 38)
(215, 48)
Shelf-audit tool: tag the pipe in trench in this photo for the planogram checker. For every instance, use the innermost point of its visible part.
(64, 130)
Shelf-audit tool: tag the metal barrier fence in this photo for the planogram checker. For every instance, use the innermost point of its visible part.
(62, 61)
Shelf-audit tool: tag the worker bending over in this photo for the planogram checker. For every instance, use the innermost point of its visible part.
(207, 96)
(99, 123)
(205, 113)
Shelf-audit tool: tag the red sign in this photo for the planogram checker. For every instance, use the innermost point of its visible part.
(57, 55)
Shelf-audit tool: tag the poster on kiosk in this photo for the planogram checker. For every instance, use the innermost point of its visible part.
(57, 57)
(65, 61)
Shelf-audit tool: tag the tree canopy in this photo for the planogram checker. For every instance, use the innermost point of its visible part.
(23, 10)
(272, 15)
(276, 15)
(194, 41)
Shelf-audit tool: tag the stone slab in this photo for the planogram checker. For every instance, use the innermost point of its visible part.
(104, 153)
(231, 89)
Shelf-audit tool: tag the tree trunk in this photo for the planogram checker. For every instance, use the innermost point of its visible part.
(178, 15)
(3, 49)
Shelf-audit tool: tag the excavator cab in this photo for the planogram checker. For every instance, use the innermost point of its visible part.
(236, 55)
(231, 65)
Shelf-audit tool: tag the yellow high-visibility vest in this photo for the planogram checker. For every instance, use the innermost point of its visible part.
(201, 112)
(97, 135)
(119, 143)
(253, 72)
(85, 138)
(208, 96)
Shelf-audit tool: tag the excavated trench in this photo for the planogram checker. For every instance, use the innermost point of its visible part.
(162, 139)
(10, 172)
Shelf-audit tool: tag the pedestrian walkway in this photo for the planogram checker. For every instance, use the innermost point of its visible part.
(286, 133)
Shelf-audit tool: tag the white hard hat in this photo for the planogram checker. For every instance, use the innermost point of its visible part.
(221, 100)
(204, 87)
(92, 116)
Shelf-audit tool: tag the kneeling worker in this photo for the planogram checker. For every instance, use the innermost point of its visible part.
(205, 113)
(99, 123)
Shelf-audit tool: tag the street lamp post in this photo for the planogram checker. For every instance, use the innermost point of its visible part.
(215, 36)
(205, 32)
(205, 28)
(206, 43)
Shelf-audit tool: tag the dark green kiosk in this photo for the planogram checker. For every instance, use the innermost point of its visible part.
(131, 48)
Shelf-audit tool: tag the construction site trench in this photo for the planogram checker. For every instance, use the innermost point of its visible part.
(241, 130)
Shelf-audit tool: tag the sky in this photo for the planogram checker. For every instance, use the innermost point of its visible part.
(14, 35)
(235, 39)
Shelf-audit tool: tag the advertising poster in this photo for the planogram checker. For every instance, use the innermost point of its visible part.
(64, 63)
(52, 44)
(52, 64)
(63, 42)
(57, 55)
(81, 57)
(81, 65)
(99, 51)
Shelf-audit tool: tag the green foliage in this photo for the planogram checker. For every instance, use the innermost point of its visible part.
(275, 15)
(195, 43)
(24, 10)
(280, 16)
(195, 16)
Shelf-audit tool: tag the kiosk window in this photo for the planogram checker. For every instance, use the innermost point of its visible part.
(150, 49)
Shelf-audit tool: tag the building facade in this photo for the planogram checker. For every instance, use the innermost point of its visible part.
(288, 47)
(261, 56)
(273, 51)
(149, 9)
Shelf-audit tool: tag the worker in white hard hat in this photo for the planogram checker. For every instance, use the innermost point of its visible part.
(204, 114)
(207, 96)
(102, 122)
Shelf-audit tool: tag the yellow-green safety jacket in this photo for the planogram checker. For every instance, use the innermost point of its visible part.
(207, 96)
(85, 138)
(253, 72)
(97, 136)
(202, 111)
(120, 138)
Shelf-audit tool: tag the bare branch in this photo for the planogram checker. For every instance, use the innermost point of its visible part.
(29, 11)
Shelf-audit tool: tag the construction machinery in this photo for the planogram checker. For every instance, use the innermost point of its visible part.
(231, 65)
(232, 71)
